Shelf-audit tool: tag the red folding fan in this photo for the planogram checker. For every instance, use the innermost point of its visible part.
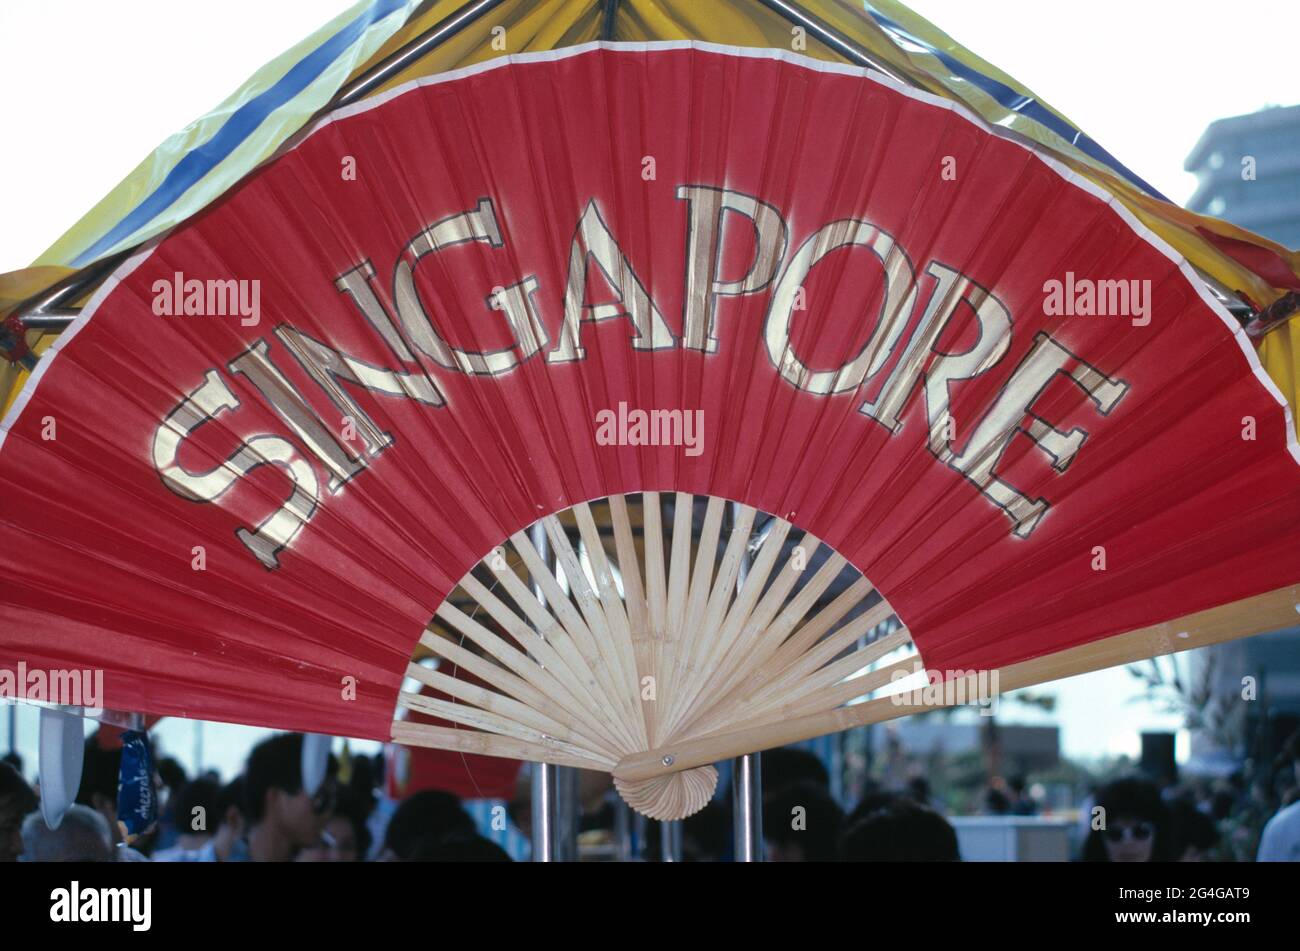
(959, 398)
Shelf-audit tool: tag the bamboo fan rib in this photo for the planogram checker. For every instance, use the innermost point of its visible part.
(643, 631)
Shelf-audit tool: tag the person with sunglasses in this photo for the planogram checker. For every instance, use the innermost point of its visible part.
(283, 819)
(1130, 823)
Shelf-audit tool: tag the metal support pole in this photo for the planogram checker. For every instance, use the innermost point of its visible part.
(568, 808)
(546, 795)
(53, 319)
(670, 841)
(555, 793)
(746, 771)
(623, 838)
(546, 791)
(747, 807)
(639, 825)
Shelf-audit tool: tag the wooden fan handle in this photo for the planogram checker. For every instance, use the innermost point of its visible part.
(670, 797)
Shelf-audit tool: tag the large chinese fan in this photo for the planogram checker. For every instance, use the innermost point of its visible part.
(663, 396)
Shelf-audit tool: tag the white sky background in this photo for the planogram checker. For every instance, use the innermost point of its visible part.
(90, 88)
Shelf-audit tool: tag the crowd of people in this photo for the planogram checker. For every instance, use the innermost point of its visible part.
(263, 815)
(267, 815)
(1136, 819)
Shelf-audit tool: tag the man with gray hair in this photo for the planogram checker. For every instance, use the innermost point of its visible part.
(82, 836)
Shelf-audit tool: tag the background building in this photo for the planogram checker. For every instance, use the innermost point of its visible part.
(1249, 172)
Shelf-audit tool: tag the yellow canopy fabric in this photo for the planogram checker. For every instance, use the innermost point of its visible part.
(196, 166)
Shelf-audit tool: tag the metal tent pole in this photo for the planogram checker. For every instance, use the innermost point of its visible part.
(420, 46)
(640, 825)
(747, 807)
(622, 830)
(546, 794)
(545, 778)
(831, 37)
(746, 771)
(670, 841)
(555, 792)
(568, 804)
(607, 20)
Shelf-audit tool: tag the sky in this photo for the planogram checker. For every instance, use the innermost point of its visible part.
(1142, 77)
(81, 107)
